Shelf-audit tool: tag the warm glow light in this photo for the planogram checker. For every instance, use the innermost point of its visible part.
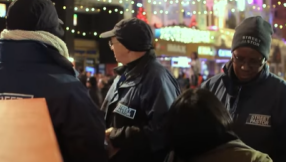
(241, 5)
(184, 34)
(71, 59)
(264, 5)
(75, 19)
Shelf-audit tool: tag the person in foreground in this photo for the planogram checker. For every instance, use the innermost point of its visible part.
(139, 98)
(34, 64)
(254, 96)
(200, 130)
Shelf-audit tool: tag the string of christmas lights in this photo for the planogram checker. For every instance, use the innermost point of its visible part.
(81, 32)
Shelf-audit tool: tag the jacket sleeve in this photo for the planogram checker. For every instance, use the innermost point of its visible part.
(82, 133)
(279, 128)
(205, 84)
(156, 99)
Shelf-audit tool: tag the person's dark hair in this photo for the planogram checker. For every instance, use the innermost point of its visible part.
(197, 123)
(93, 82)
(80, 69)
(196, 55)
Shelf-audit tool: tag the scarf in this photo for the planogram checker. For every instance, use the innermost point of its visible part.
(41, 36)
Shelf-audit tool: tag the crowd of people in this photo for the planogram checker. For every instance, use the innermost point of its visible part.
(98, 84)
(141, 114)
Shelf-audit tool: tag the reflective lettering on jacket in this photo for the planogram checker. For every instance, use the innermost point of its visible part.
(259, 120)
(14, 96)
(125, 111)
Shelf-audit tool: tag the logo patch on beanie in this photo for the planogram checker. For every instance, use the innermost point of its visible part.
(251, 40)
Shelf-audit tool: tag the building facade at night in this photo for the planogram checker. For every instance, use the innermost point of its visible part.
(180, 28)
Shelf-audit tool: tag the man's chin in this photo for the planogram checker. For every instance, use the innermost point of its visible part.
(245, 78)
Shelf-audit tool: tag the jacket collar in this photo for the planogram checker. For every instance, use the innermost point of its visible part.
(13, 53)
(136, 68)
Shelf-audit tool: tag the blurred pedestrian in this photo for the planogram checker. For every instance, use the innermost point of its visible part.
(34, 64)
(139, 98)
(195, 69)
(183, 81)
(200, 130)
(82, 76)
(254, 96)
(94, 91)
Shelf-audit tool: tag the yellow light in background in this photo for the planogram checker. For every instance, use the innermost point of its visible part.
(241, 5)
(264, 5)
(2, 10)
(71, 59)
(75, 19)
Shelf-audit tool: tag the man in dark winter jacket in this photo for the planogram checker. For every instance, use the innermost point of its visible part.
(254, 96)
(34, 64)
(139, 98)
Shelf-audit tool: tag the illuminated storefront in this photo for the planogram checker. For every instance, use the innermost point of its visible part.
(176, 41)
(222, 57)
(175, 56)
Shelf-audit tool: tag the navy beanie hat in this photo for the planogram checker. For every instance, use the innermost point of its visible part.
(253, 32)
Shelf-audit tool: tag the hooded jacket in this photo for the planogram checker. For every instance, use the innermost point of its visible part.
(32, 69)
(258, 109)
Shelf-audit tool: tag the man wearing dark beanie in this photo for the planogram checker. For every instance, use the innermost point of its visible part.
(140, 97)
(34, 64)
(254, 96)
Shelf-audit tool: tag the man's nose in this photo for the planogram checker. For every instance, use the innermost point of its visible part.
(245, 67)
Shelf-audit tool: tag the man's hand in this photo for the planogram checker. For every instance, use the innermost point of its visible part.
(111, 150)
(108, 131)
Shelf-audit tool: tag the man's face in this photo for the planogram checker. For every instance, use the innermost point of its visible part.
(120, 52)
(247, 63)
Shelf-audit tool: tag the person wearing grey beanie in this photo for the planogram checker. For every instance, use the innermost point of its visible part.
(253, 95)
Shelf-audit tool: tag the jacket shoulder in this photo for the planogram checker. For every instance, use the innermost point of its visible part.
(275, 80)
(210, 83)
(235, 151)
(251, 155)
